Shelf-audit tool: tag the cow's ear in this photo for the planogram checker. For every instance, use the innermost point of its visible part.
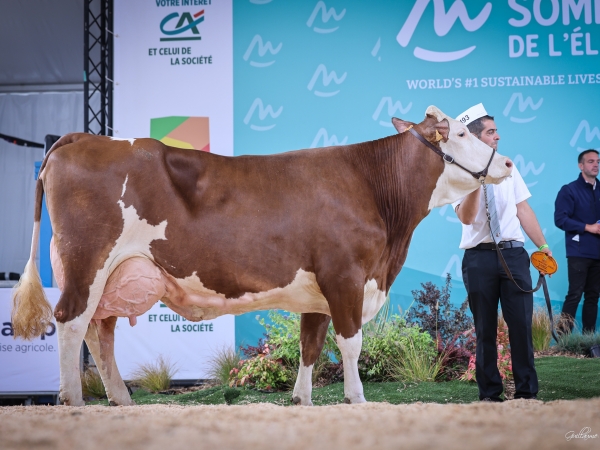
(401, 125)
(442, 130)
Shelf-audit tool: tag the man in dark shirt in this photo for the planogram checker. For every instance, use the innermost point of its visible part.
(577, 212)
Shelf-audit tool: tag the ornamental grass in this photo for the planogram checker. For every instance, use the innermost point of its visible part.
(577, 342)
(155, 376)
(221, 362)
(541, 332)
(415, 365)
(92, 385)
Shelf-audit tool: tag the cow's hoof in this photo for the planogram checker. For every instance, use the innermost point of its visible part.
(298, 401)
(353, 401)
(125, 402)
(67, 402)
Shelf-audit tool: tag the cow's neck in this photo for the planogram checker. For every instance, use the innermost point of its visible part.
(403, 174)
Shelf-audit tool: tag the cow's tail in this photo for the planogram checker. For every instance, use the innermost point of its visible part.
(31, 310)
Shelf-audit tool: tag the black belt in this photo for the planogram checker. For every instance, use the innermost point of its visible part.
(501, 245)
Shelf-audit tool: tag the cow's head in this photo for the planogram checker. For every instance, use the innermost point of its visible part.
(454, 138)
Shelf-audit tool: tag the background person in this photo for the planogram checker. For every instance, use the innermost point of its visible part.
(577, 212)
(485, 279)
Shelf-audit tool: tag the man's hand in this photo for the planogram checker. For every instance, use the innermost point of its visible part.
(593, 228)
(547, 251)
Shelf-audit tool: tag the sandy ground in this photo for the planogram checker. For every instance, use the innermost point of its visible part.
(519, 424)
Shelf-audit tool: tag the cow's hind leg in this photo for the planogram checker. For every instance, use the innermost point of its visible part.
(72, 319)
(313, 330)
(100, 338)
(70, 338)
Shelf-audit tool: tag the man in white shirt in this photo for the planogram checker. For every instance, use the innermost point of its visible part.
(485, 279)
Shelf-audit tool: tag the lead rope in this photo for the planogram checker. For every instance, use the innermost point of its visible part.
(541, 280)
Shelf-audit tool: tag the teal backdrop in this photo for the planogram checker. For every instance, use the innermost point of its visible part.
(314, 73)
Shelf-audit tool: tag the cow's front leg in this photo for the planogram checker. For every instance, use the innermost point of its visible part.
(345, 296)
(350, 348)
(100, 338)
(313, 330)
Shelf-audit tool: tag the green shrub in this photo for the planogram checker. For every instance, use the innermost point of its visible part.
(262, 372)
(221, 362)
(155, 377)
(92, 385)
(577, 342)
(283, 335)
(387, 344)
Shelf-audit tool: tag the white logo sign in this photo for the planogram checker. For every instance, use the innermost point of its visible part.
(263, 112)
(522, 105)
(262, 51)
(392, 107)
(442, 22)
(590, 135)
(524, 168)
(327, 78)
(326, 14)
(327, 141)
(456, 264)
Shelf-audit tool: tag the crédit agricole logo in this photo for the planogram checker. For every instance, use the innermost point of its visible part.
(182, 26)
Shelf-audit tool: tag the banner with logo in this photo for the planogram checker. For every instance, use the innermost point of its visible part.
(27, 366)
(173, 72)
(160, 332)
(318, 73)
(279, 75)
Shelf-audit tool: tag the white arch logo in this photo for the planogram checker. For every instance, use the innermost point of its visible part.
(392, 108)
(522, 104)
(442, 22)
(262, 51)
(327, 78)
(327, 141)
(525, 168)
(263, 113)
(590, 135)
(326, 14)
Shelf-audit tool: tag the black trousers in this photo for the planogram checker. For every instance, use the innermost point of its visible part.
(486, 283)
(584, 278)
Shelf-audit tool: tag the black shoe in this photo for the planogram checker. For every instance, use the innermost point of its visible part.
(492, 400)
(525, 397)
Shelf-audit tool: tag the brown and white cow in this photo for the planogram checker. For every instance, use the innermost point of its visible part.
(322, 232)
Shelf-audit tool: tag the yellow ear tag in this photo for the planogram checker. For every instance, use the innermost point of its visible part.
(438, 136)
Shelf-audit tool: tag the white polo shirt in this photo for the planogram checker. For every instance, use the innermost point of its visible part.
(507, 194)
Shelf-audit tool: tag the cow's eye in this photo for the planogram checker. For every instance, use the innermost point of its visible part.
(461, 134)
